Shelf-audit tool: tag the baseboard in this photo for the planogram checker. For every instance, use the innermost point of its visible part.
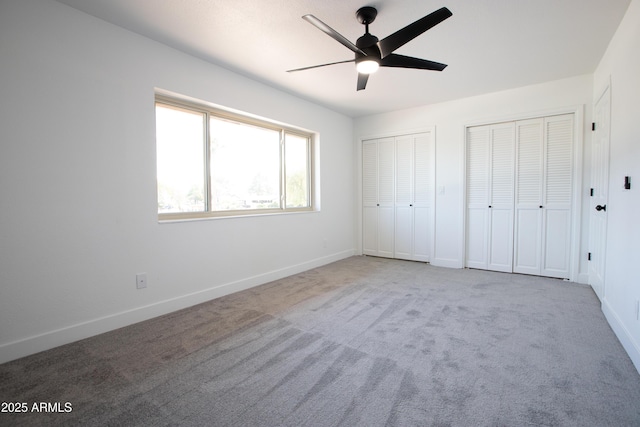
(583, 278)
(35, 344)
(626, 339)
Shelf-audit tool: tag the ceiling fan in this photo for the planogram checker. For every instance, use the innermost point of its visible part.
(372, 53)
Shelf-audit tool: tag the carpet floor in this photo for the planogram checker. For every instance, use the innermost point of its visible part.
(360, 342)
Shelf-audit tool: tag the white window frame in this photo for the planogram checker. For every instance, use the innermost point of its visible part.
(243, 119)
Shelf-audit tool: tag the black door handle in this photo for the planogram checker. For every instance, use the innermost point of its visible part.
(601, 208)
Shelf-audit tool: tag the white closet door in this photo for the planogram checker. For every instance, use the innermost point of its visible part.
(528, 201)
(403, 197)
(490, 164)
(397, 180)
(501, 198)
(370, 197)
(558, 189)
(478, 167)
(413, 197)
(423, 173)
(544, 170)
(386, 175)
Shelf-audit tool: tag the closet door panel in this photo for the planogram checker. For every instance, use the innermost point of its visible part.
(403, 232)
(558, 188)
(527, 241)
(500, 243)
(478, 167)
(422, 195)
(403, 197)
(386, 183)
(385, 231)
(370, 197)
(369, 173)
(370, 230)
(528, 197)
(501, 198)
(557, 249)
(421, 235)
(477, 238)
(386, 178)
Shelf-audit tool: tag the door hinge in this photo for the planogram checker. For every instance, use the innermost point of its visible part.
(589, 256)
(591, 192)
(593, 126)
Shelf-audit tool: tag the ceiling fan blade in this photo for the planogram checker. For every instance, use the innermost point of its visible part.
(401, 61)
(332, 33)
(362, 80)
(411, 31)
(318, 66)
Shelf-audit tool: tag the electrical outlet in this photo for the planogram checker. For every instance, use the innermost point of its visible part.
(141, 280)
(637, 309)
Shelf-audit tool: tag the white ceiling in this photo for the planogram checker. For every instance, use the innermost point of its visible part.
(489, 45)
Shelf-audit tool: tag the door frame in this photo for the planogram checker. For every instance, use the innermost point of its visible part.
(577, 187)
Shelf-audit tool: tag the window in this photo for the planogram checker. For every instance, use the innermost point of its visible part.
(214, 163)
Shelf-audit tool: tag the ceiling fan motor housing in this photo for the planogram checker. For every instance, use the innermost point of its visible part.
(368, 43)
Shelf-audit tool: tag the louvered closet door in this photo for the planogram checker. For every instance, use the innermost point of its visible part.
(544, 171)
(378, 197)
(557, 196)
(490, 169)
(528, 201)
(478, 167)
(501, 198)
(370, 197)
(403, 198)
(386, 175)
(412, 197)
(423, 172)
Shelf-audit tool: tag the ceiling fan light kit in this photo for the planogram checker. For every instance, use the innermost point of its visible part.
(367, 66)
(372, 53)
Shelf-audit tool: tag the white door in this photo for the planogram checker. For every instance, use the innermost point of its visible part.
(403, 198)
(370, 197)
(528, 199)
(423, 182)
(557, 192)
(478, 167)
(490, 164)
(386, 180)
(412, 197)
(377, 197)
(544, 175)
(599, 193)
(501, 198)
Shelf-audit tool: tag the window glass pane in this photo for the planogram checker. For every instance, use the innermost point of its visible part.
(297, 173)
(245, 166)
(180, 158)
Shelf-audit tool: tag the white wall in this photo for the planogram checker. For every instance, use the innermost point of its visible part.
(621, 66)
(449, 120)
(77, 183)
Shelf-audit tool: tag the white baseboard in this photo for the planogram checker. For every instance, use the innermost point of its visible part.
(623, 334)
(31, 345)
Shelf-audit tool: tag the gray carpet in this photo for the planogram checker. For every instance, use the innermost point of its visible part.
(360, 342)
